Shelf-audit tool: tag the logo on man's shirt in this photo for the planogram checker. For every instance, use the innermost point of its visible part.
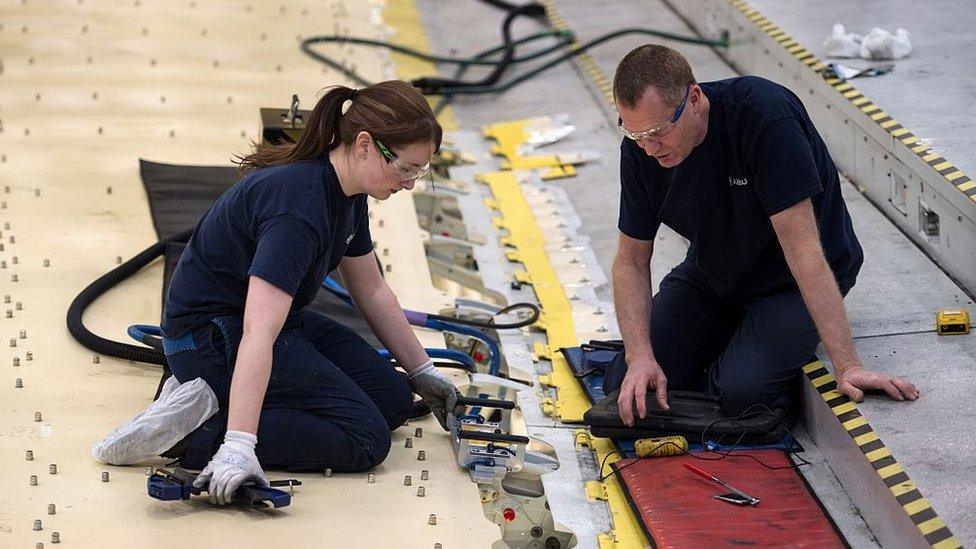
(349, 238)
(738, 181)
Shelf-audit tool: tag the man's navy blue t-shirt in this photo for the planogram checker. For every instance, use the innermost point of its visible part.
(288, 225)
(760, 156)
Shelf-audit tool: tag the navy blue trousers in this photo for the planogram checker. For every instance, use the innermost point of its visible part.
(742, 353)
(331, 401)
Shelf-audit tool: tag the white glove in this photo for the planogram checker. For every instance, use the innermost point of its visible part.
(232, 465)
(436, 390)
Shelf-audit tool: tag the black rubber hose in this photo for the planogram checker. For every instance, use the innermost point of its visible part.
(95, 290)
(434, 85)
(537, 9)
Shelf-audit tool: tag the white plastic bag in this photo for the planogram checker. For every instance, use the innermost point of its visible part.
(842, 44)
(880, 44)
(179, 410)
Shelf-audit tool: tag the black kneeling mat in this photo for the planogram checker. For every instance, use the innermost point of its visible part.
(694, 415)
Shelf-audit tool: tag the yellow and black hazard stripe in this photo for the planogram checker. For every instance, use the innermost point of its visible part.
(584, 61)
(946, 169)
(918, 509)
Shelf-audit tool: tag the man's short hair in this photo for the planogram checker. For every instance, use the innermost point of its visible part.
(652, 65)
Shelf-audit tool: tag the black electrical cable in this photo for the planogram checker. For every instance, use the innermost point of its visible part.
(476, 60)
(491, 323)
(435, 85)
(578, 50)
(509, 7)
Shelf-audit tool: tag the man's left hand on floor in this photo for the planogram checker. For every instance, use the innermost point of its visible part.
(854, 381)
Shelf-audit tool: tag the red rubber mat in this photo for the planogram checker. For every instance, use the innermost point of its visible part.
(676, 507)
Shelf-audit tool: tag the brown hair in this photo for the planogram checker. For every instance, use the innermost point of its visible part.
(652, 65)
(393, 112)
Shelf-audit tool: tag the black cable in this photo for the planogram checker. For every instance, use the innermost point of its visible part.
(473, 90)
(435, 85)
(509, 7)
(477, 60)
(491, 323)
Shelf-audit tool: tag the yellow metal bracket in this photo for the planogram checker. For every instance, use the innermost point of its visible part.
(596, 490)
(542, 351)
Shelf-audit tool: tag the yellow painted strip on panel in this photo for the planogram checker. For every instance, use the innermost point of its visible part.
(530, 243)
(899, 132)
(918, 149)
(910, 139)
(888, 123)
(942, 165)
(843, 87)
(966, 186)
(954, 175)
(404, 17)
(879, 115)
(860, 101)
(626, 530)
(931, 156)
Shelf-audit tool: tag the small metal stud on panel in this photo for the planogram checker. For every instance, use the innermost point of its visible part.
(104, 476)
(407, 481)
(52, 468)
(33, 480)
(371, 478)
(408, 443)
(37, 525)
(421, 492)
(421, 455)
(424, 474)
(432, 519)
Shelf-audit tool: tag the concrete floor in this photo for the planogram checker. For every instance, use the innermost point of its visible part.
(930, 92)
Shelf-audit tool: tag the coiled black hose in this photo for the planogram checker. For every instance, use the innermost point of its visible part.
(97, 288)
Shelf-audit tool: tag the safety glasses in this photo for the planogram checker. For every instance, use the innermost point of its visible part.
(405, 171)
(661, 130)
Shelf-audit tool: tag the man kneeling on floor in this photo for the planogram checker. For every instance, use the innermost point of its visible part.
(737, 168)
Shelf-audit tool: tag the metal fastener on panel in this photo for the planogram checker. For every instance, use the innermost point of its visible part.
(407, 481)
(37, 525)
(104, 476)
(52, 468)
(30, 356)
(421, 455)
(37, 416)
(327, 472)
(421, 492)
(55, 537)
(424, 474)
(432, 519)
(51, 509)
(16, 361)
(418, 432)
(18, 306)
(408, 443)
(13, 342)
(149, 471)
(29, 455)
(96, 359)
(33, 480)
(23, 334)
(18, 383)
(370, 478)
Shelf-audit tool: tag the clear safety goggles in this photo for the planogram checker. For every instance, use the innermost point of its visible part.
(660, 130)
(404, 171)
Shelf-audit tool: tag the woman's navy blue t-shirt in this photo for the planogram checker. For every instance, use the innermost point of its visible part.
(288, 225)
(760, 156)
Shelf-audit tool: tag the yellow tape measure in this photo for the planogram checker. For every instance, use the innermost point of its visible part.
(661, 446)
(952, 322)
